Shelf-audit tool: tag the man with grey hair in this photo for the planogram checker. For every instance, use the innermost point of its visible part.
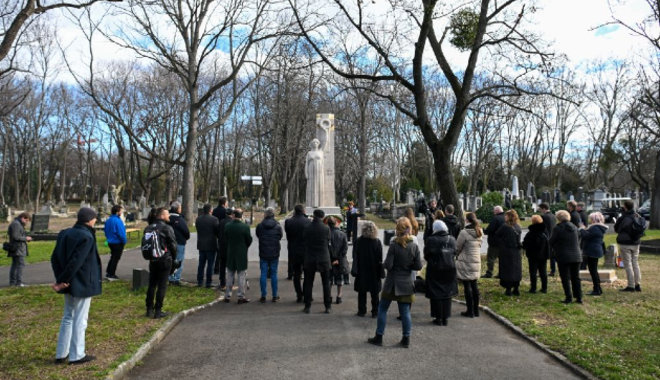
(269, 233)
(493, 252)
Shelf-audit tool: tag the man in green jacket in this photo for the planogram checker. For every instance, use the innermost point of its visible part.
(239, 239)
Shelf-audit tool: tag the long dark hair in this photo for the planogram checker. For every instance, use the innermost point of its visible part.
(472, 219)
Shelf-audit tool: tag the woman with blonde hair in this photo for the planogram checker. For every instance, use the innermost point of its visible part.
(537, 252)
(410, 214)
(564, 243)
(402, 257)
(367, 268)
(594, 248)
(508, 237)
(468, 263)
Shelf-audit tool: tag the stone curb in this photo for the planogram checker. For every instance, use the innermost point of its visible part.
(554, 354)
(122, 370)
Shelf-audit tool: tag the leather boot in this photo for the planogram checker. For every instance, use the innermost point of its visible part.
(150, 312)
(405, 342)
(376, 340)
(475, 305)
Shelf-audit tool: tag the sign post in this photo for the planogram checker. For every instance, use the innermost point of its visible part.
(254, 180)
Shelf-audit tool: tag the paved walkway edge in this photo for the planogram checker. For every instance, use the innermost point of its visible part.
(122, 370)
(554, 354)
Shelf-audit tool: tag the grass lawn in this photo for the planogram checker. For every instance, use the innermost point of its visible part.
(30, 318)
(614, 336)
(41, 250)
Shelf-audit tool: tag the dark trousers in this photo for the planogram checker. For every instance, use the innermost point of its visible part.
(115, 254)
(539, 266)
(289, 267)
(553, 266)
(592, 264)
(308, 286)
(16, 270)
(362, 302)
(159, 272)
(570, 280)
(441, 308)
(492, 255)
(221, 263)
(471, 296)
(206, 260)
(297, 275)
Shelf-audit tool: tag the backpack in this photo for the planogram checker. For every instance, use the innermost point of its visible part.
(637, 227)
(446, 259)
(152, 247)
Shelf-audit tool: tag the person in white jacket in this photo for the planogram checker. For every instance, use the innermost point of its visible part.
(468, 263)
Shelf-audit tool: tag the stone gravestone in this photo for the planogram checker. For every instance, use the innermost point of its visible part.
(5, 213)
(40, 222)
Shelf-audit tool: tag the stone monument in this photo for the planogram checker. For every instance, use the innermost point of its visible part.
(320, 167)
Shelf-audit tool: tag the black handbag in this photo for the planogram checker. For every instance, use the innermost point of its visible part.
(9, 247)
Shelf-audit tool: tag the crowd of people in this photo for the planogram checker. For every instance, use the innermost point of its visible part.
(570, 239)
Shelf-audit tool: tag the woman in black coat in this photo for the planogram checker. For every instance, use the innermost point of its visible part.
(564, 243)
(439, 252)
(367, 268)
(536, 249)
(593, 248)
(508, 238)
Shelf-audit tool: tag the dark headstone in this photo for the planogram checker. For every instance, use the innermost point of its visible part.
(387, 236)
(39, 223)
(140, 278)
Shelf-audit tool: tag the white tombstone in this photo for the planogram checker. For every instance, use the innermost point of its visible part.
(515, 194)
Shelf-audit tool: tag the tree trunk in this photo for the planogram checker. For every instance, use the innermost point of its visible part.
(445, 179)
(655, 201)
(189, 168)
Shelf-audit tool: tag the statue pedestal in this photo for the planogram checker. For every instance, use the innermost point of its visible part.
(327, 210)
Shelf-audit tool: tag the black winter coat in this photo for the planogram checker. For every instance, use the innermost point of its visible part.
(535, 243)
(493, 226)
(453, 226)
(222, 241)
(76, 261)
(180, 228)
(564, 243)
(269, 233)
(440, 282)
(623, 227)
(368, 259)
(575, 218)
(549, 221)
(510, 260)
(338, 249)
(219, 212)
(317, 238)
(208, 233)
(592, 240)
(295, 228)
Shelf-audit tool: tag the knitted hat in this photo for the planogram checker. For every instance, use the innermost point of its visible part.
(439, 225)
(86, 214)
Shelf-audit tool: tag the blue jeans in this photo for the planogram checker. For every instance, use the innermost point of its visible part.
(71, 340)
(180, 255)
(205, 258)
(404, 311)
(266, 265)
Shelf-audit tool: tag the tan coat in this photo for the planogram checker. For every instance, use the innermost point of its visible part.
(468, 255)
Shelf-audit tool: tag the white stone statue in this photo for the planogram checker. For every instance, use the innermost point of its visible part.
(314, 174)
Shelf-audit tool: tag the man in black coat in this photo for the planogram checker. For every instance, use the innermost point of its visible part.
(628, 242)
(77, 269)
(352, 216)
(221, 260)
(208, 234)
(269, 233)
(294, 228)
(549, 222)
(493, 248)
(451, 221)
(220, 213)
(182, 234)
(575, 215)
(317, 259)
(161, 268)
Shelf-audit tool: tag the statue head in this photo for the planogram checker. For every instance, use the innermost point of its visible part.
(315, 144)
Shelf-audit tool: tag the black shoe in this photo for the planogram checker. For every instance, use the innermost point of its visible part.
(567, 301)
(638, 288)
(374, 315)
(262, 299)
(628, 289)
(532, 291)
(377, 340)
(306, 310)
(399, 317)
(476, 312)
(438, 322)
(578, 300)
(328, 309)
(515, 292)
(338, 300)
(276, 299)
(150, 313)
(160, 314)
(405, 342)
(361, 314)
(85, 359)
(487, 275)
(466, 314)
(227, 300)
(507, 292)
(242, 301)
(289, 278)
(299, 299)
(595, 293)
(62, 360)
(544, 291)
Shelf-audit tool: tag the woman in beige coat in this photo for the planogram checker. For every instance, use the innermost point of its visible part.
(468, 263)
